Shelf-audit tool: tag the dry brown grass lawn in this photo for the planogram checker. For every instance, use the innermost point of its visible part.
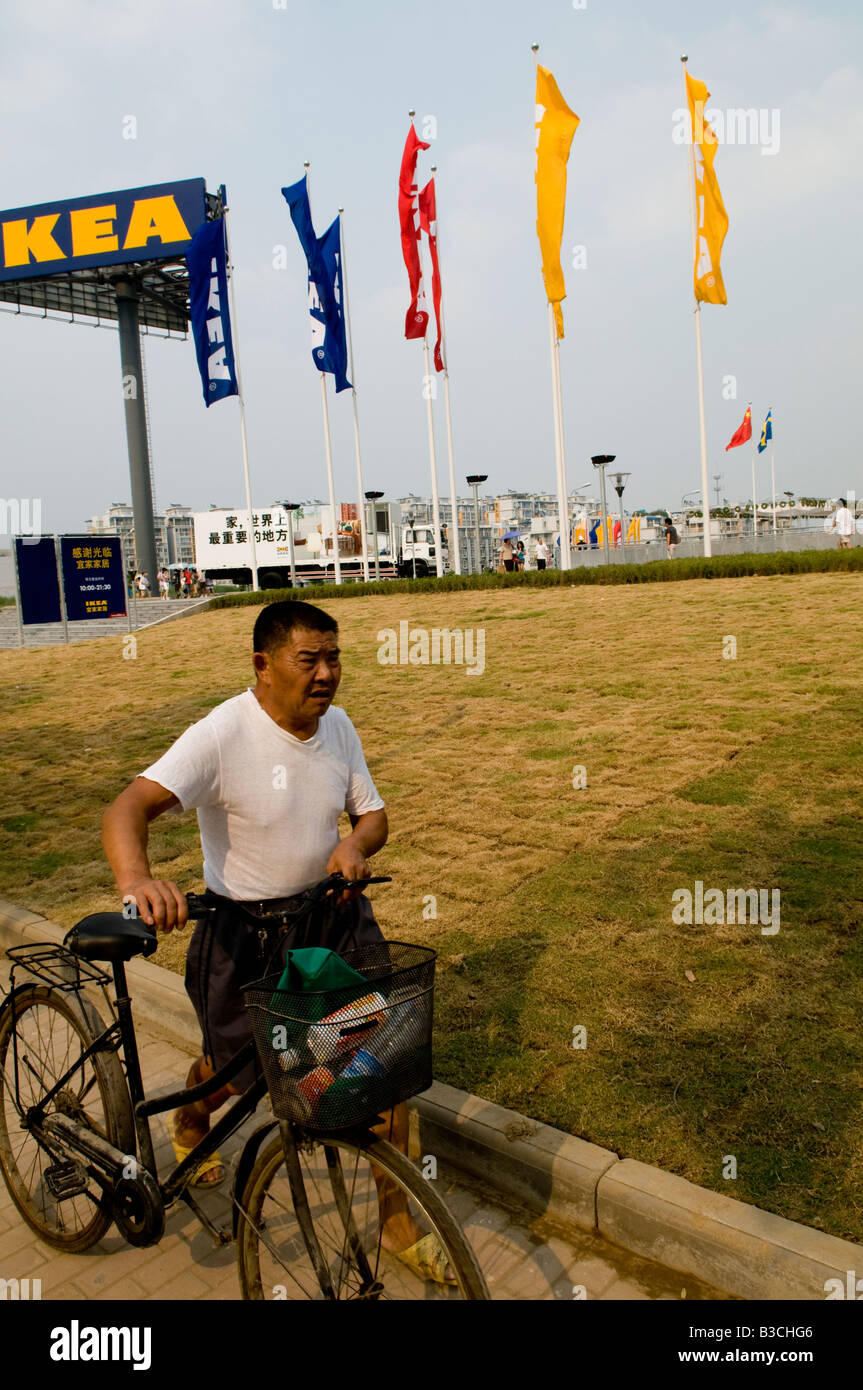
(733, 771)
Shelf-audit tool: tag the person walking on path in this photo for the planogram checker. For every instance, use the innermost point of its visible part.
(163, 583)
(143, 586)
(843, 523)
(506, 555)
(672, 540)
(542, 555)
(270, 772)
(519, 556)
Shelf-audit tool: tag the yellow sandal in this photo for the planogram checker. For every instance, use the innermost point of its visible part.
(207, 1165)
(428, 1259)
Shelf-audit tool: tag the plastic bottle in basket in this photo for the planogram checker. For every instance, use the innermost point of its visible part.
(403, 1032)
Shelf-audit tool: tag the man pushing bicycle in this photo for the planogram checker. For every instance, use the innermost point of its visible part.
(270, 773)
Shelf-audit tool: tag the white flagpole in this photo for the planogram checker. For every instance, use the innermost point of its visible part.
(705, 481)
(328, 446)
(557, 407)
(429, 381)
(360, 493)
(773, 470)
(245, 447)
(455, 547)
(754, 498)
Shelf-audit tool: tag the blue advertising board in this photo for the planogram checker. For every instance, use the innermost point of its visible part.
(134, 224)
(94, 585)
(38, 585)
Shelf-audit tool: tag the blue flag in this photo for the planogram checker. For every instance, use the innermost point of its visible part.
(209, 311)
(766, 433)
(324, 257)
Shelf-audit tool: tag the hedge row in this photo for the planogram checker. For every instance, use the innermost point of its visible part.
(656, 572)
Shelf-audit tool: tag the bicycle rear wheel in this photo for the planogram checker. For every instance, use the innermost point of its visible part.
(53, 1031)
(338, 1181)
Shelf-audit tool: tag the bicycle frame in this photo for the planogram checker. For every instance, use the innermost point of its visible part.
(120, 1034)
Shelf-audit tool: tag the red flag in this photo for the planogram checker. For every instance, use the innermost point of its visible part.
(428, 223)
(417, 317)
(744, 433)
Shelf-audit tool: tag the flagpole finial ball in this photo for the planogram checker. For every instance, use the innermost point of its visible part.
(434, 168)
(684, 57)
(307, 164)
(341, 210)
(534, 48)
(412, 112)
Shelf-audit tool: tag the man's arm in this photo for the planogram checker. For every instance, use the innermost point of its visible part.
(369, 834)
(125, 828)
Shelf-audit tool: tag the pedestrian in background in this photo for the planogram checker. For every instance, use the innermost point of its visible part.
(843, 523)
(542, 555)
(672, 540)
(507, 557)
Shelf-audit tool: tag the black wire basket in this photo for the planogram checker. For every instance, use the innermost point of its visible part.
(334, 1059)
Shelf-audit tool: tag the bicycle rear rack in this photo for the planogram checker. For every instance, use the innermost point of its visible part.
(56, 966)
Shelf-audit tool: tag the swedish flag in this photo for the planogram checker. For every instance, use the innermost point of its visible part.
(766, 433)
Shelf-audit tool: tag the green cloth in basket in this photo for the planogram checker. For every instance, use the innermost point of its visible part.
(313, 970)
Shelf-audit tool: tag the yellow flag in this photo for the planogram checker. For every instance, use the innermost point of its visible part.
(710, 215)
(555, 127)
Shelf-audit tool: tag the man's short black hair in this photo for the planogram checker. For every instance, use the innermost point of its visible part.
(843, 502)
(277, 621)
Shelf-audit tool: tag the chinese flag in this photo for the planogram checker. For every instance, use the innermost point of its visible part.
(745, 432)
(416, 320)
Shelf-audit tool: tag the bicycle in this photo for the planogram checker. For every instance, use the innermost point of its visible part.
(76, 1148)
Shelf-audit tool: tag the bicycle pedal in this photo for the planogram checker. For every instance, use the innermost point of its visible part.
(66, 1179)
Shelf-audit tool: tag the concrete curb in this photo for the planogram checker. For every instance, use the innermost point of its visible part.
(744, 1251)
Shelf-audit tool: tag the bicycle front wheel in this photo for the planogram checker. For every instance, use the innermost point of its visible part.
(345, 1186)
(47, 1032)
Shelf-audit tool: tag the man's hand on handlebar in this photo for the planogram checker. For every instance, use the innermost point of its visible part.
(160, 903)
(349, 861)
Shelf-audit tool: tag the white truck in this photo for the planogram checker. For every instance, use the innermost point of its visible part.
(223, 548)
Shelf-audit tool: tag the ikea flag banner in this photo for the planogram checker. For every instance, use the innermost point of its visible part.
(209, 311)
(323, 256)
(94, 585)
(135, 224)
(711, 218)
(38, 585)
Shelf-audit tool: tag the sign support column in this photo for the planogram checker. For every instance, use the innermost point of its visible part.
(136, 428)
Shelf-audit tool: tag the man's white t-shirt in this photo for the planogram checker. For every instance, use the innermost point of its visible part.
(844, 521)
(542, 551)
(268, 803)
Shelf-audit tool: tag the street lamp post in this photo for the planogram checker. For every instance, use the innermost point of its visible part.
(474, 480)
(619, 480)
(373, 498)
(411, 523)
(600, 461)
(290, 508)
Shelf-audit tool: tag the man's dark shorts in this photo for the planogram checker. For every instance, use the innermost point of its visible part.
(229, 949)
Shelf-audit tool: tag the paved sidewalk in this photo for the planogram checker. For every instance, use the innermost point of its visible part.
(145, 613)
(522, 1257)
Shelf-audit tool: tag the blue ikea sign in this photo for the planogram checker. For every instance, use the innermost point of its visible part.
(135, 224)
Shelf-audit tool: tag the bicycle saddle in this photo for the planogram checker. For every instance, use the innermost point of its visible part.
(110, 936)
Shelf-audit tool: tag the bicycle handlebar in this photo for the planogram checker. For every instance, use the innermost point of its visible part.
(197, 907)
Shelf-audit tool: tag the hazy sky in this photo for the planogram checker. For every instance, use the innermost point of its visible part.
(241, 92)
